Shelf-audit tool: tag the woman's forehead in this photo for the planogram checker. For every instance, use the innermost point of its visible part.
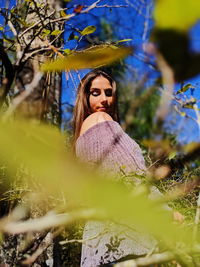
(100, 81)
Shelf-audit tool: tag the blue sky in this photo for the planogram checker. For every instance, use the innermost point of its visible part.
(128, 24)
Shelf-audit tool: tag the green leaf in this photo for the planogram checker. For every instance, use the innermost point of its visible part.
(46, 32)
(56, 32)
(172, 155)
(90, 58)
(185, 88)
(88, 30)
(176, 14)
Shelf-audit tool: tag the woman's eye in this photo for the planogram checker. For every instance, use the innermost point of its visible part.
(94, 93)
(108, 92)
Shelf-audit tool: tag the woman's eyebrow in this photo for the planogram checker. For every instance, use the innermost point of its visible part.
(93, 88)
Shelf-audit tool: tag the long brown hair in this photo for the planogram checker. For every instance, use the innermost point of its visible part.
(82, 107)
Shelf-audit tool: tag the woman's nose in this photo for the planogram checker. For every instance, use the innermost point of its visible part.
(103, 98)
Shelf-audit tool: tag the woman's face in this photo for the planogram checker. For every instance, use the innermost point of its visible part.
(101, 95)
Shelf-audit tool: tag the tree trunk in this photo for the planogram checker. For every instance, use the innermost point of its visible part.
(44, 102)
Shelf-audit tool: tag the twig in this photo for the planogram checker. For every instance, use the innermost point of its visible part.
(46, 242)
(137, 8)
(38, 12)
(35, 52)
(35, 24)
(144, 261)
(110, 6)
(86, 10)
(82, 241)
(196, 109)
(12, 28)
(168, 83)
(48, 221)
(18, 45)
(28, 45)
(146, 22)
(182, 189)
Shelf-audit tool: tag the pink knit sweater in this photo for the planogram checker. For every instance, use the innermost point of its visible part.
(106, 145)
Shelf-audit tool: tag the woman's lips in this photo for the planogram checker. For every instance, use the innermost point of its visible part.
(101, 109)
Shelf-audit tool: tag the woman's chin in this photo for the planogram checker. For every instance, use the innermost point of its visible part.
(102, 110)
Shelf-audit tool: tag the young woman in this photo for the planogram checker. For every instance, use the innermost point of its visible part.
(100, 141)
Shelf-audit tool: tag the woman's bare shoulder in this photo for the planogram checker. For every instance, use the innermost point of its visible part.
(93, 119)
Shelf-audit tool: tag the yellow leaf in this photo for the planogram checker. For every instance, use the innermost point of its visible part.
(88, 30)
(76, 37)
(90, 58)
(185, 88)
(124, 40)
(46, 32)
(56, 32)
(183, 114)
(176, 14)
(10, 41)
(67, 51)
(63, 14)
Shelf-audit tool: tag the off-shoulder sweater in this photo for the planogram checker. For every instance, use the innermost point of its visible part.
(106, 146)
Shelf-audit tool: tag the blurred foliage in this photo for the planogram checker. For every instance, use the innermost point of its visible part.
(183, 14)
(171, 33)
(42, 152)
(138, 108)
(39, 172)
(95, 56)
(175, 47)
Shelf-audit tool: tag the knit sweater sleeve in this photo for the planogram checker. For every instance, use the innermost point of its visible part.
(106, 145)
